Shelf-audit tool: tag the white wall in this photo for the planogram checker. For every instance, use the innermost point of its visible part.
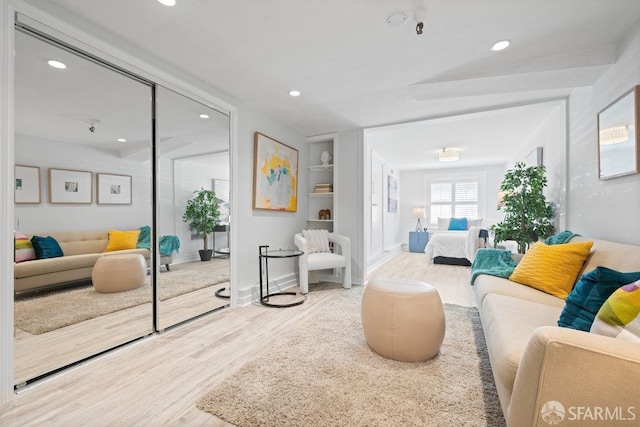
(392, 236)
(602, 209)
(412, 193)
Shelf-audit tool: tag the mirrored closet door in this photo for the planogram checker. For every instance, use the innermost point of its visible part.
(83, 138)
(193, 193)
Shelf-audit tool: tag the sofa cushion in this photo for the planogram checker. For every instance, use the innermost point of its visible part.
(508, 323)
(619, 316)
(121, 240)
(552, 268)
(617, 256)
(54, 265)
(46, 247)
(486, 285)
(591, 291)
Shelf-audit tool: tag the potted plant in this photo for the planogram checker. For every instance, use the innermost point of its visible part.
(528, 215)
(202, 215)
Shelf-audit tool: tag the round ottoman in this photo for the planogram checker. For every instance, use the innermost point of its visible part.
(118, 273)
(403, 319)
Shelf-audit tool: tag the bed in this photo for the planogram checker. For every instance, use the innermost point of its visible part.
(457, 247)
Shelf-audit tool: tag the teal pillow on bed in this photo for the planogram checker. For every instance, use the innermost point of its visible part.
(458, 224)
(46, 247)
(589, 294)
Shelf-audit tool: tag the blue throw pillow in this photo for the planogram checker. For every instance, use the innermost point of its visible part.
(589, 294)
(458, 224)
(46, 247)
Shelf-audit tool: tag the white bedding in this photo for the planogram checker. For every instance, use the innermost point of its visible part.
(454, 244)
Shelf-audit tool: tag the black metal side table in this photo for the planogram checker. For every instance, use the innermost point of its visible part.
(219, 292)
(263, 256)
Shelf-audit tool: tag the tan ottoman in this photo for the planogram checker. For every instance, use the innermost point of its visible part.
(118, 273)
(403, 319)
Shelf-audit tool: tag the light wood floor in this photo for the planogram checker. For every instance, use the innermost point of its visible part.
(36, 355)
(158, 380)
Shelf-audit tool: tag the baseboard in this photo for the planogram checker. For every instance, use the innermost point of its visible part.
(385, 257)
(251, 294)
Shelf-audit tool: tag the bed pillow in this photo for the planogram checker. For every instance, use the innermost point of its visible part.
(46, 247)
(589, 294)
(317, 240)
(458, 224)
(474, 223)
(122, 240)
(23, 248)
(443, 224)
(619, 316)
(552, 268)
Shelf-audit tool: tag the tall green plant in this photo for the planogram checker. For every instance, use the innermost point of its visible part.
(201, 213)
(528, 215)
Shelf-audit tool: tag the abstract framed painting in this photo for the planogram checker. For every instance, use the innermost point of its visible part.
(114, 189)
(70, 186)
(275, 174)
(27, 184)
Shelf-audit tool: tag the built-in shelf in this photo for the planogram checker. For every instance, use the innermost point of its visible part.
(321, 205)
(319, 220)
(320, 194)
(321, 168)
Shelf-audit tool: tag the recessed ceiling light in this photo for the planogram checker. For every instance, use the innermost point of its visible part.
(121, 140)
(294, 93)
(56, 64)
(204, 116)
(501, 45)
(167, 2)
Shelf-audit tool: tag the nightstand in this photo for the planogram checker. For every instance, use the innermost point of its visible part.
(418, 240)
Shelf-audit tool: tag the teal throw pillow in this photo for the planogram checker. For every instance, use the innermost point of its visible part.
(457, 224)
(46, 247)
(589, 294)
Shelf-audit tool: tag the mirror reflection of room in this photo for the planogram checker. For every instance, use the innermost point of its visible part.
(193, 203)
(83, 192)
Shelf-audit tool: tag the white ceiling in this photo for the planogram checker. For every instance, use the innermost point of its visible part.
(355, 71)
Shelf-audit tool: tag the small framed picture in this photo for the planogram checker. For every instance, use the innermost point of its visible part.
(27, 184)
(70, 186)
(114, 189)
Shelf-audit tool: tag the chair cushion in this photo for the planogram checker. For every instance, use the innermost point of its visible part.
(322, 260)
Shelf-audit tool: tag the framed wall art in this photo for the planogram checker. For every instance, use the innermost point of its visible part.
(114, 189)
(27, 184)
(392, 194)
(618, 150)
(275, 175)
(70, 186)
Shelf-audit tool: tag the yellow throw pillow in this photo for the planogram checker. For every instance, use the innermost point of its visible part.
(552, 268)
(121, 240)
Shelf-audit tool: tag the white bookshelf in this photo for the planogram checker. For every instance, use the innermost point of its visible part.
(320, 174)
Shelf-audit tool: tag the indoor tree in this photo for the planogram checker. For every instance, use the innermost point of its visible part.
(528, 215)
(202, 215)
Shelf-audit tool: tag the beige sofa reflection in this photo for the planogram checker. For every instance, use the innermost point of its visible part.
(81, 249)
(534, 361)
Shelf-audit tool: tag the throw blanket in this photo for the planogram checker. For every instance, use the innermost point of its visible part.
(494, 262)
(562, 237)
(454, 244)
(168, 244)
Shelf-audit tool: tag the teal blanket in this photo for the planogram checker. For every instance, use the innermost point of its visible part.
(168, 244)
(495, 262)
(562, 237)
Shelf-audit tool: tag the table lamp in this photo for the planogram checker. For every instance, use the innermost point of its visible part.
(419, 213)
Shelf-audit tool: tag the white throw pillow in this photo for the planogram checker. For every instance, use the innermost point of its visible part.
(443, 224)
(317, 240)
(474, 223)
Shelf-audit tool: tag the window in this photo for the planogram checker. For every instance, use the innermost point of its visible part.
(453, 198)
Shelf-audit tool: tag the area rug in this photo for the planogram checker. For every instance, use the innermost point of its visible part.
(49, 311)
(322, 373)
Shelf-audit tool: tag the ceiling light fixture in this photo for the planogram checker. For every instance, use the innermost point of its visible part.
(396, 19)
(294, 92)
(614, 135)
(501, 45)
(121, 140)
(167, 2)
(449, 155)
(56, 64)
(204, 116)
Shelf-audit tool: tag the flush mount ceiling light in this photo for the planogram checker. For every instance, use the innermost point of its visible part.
(56, 64)
(501, 45)
(449, 155)
(204, 116)
(294, 92)
(121, 140)
(397, 19)
(167, 2)
(614, 135)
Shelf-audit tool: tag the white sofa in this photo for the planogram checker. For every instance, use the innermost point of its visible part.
(534, 361)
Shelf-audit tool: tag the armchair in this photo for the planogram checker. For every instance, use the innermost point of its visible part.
(309, 263)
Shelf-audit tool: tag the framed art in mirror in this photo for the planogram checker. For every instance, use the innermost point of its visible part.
(114, 189)
(27, 184)
(618, 151)
(70, 186)
(275, 175)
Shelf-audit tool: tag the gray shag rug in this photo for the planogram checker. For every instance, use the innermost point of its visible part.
(48, 311)
(322, 373)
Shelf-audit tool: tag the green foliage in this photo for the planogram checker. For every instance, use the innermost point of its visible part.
(528, 215)
(201, 213)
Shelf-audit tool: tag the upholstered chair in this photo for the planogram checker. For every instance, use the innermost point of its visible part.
(312, 261)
